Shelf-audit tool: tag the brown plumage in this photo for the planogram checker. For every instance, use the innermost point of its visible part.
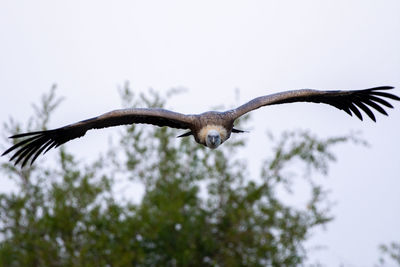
(210, 128)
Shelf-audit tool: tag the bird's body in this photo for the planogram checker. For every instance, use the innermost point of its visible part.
(210, 128)
(212, 121)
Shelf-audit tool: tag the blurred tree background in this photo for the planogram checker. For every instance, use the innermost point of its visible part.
(200, 207)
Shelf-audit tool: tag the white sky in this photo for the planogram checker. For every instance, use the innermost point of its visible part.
(212, 47)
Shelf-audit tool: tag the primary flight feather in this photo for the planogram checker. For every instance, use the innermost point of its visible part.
(211, 128)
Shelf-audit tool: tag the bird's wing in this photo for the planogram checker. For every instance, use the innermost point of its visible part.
(351, 102)
(42, 141)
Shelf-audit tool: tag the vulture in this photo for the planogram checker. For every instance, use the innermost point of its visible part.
(210, 128)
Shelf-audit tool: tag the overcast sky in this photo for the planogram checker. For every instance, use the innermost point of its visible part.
(89, 48)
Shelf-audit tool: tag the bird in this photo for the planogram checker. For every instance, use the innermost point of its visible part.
(211, 128)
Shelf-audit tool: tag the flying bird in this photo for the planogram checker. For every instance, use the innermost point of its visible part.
(210, 128)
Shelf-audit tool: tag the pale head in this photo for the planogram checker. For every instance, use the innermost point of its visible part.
(213, 139)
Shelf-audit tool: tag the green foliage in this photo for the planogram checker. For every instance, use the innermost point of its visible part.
(200, 207)
(391, 251)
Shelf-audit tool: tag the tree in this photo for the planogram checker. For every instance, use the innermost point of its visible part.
(200, 207)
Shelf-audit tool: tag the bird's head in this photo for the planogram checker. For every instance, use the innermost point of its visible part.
(213, 139)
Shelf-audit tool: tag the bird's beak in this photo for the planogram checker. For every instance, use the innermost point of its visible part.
(213, 140)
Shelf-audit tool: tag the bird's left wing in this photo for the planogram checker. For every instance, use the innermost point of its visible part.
(42, 141)
(352, 101)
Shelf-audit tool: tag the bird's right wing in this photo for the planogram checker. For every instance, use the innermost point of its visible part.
(42, 141)
(351, 101)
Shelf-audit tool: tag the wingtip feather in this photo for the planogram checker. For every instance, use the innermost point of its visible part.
(26, 134)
